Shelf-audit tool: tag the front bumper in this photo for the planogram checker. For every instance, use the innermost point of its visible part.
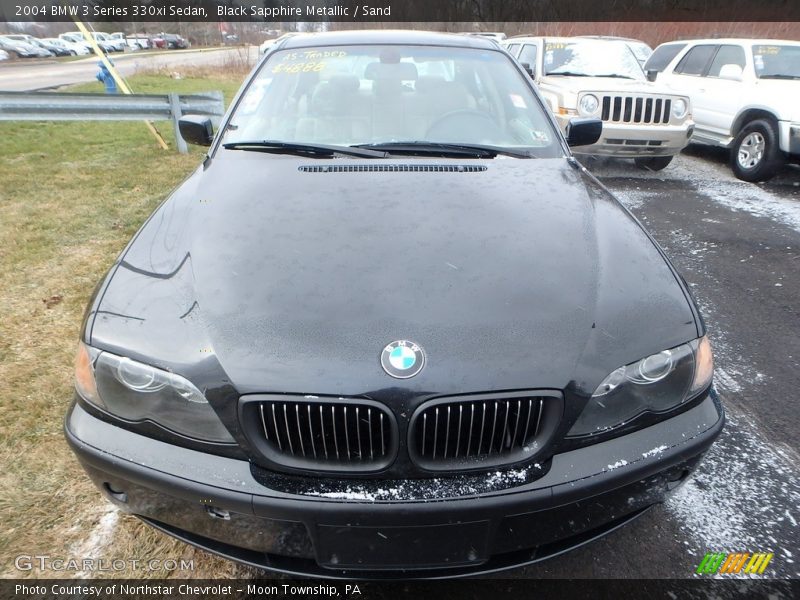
(219, 504)
(626, 140)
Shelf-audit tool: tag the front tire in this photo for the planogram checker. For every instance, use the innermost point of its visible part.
(755, 154)
(653, 163)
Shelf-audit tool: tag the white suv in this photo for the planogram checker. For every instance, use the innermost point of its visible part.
(745, 96)
(602, 78)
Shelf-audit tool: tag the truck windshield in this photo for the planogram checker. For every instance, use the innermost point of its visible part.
(777, 61)
(591, 58)
(389, 94)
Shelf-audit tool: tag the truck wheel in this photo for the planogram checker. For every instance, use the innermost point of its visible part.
(755, 154)
(653, 163)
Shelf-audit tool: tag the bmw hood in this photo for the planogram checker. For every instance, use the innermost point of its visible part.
(295, 274)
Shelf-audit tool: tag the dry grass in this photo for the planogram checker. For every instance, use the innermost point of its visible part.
(71, 195)
(234, 64)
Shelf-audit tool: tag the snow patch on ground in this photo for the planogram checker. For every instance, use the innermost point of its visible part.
(99, 538)
(714, 180)
(634, 199)
(738, 497)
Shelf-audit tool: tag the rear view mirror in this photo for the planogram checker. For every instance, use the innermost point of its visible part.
(584, 131)
(528, 69)
(196, 129)
(732, 72)
(651, 75)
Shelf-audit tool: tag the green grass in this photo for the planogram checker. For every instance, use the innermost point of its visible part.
(71, 196)
(160, 84)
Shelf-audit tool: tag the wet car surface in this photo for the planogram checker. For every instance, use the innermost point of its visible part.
(439, 352)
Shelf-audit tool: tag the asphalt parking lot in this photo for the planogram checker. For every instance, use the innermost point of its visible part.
(738, 246)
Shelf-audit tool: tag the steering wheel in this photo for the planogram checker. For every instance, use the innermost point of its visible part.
(464, 125)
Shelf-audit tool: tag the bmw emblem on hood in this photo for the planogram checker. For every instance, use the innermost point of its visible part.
(402, 359)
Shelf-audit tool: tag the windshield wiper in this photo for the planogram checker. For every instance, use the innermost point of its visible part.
(569, 74)
(573, 74)
(779, 76)
(444, 149)
(324, 150)
(617, 75)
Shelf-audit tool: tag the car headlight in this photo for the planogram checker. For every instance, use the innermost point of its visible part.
(589, 104)
(138, 392)
(656, 384)
(679, 108)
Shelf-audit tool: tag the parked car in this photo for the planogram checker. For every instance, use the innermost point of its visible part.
(54, 49)
(71, 47)
(746, 97)
(603, 79)
(173, 41)
(100, 38)
(42, 50)
(640, 49)
(21, 49)
(133, 42)
(77, 38)
(138, 41)
(106, 42)
(457, 353)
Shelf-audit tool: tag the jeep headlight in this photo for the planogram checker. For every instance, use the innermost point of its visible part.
(679, 108)
(589, 104)
(656, 384)
(137, 392)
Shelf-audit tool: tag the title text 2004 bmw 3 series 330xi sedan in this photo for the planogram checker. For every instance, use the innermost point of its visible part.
(390, 327)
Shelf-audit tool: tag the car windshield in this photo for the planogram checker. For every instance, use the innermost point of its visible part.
(391, 94)
(591, 58)
(776, 61)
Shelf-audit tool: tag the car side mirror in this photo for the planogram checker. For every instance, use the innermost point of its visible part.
(529, 70)
(196, 129)
(732, 72)
(651, 75)
(583, 131)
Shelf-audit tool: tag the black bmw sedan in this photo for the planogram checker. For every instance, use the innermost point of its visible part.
(391, 327)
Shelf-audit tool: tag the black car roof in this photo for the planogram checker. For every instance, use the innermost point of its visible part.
(407, 36)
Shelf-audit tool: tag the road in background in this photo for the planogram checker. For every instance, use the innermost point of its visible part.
(27, 75)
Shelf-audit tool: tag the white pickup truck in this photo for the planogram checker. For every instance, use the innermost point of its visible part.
(745, 96)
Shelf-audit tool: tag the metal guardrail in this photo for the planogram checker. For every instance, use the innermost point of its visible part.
(53, 106)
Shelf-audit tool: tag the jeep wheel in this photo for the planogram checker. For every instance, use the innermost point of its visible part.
(653, 163)
(755, 155)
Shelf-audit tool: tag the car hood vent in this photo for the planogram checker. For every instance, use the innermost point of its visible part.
(392, 168)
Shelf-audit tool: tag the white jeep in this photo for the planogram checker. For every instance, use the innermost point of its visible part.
(745, 96)
(602, 78)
